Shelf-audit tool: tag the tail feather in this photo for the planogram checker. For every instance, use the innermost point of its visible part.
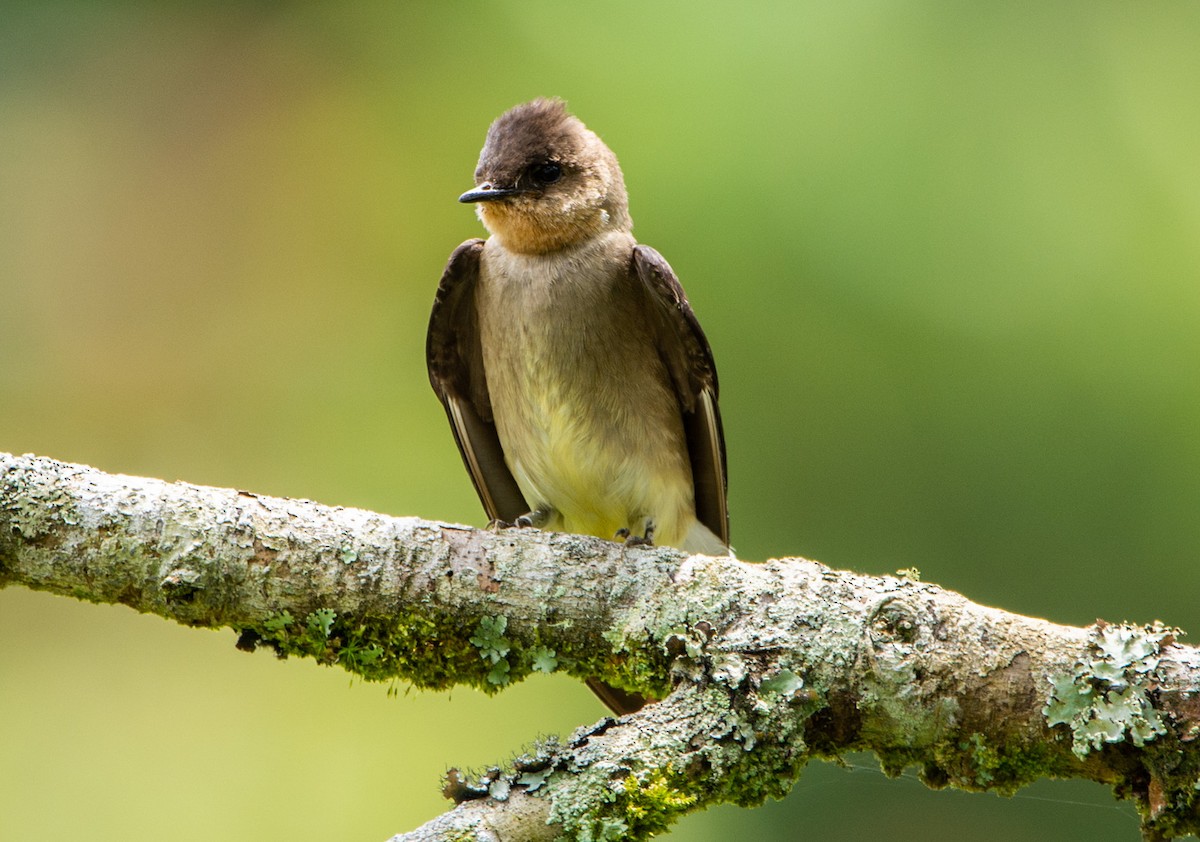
(700, 539)
(618, 701)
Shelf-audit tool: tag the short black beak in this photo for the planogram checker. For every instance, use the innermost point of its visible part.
(487, 192)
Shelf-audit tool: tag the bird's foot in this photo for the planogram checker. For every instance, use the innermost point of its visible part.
(632, 540)
(529, 520)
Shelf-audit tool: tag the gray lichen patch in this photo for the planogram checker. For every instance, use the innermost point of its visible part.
(1108, 697)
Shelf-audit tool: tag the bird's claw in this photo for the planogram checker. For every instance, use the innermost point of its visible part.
(529, 520)
(632, 540)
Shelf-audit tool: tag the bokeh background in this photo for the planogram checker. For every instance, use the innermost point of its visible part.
(947, 254)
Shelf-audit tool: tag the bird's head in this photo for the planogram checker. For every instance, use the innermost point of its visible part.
(545, 182)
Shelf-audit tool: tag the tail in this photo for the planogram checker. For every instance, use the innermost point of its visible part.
(617, 700)
(702, 540)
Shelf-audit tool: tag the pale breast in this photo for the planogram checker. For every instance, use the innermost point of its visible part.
(585, 410)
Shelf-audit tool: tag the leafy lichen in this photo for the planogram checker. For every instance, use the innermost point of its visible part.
(490, 640)
(494, 648)
(544, 659)
(1107, 697)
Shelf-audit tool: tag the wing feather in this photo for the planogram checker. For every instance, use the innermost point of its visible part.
(455, 360)
(689, 359)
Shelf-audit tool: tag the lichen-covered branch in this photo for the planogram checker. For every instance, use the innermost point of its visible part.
(760, 666)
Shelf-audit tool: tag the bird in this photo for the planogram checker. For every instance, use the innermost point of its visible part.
(579, 385)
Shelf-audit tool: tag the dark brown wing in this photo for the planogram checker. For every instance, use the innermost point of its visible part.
(455, 360)
(689, 359)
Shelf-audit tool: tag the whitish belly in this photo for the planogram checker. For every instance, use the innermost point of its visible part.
(600, 445)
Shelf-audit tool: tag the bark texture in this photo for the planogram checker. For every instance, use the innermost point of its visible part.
(760, 666)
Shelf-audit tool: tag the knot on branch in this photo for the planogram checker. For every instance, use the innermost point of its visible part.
(896, 619)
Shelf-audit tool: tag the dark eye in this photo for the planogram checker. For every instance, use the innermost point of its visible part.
(546, 173)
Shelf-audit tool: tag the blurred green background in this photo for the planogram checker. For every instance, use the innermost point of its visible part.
(947, 254)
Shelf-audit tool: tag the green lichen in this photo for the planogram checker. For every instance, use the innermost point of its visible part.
(279, 622)
(544, 660)
(490, 640)
(499, 675)
(493, 648)
(637, 806)
(637, 666)
(433, 652)
(785, 682)
(320, 622)
(414, 647)
(649, 805)
(985, 760)
(1107, 697)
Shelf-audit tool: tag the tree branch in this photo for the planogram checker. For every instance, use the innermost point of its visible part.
(760, 666)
